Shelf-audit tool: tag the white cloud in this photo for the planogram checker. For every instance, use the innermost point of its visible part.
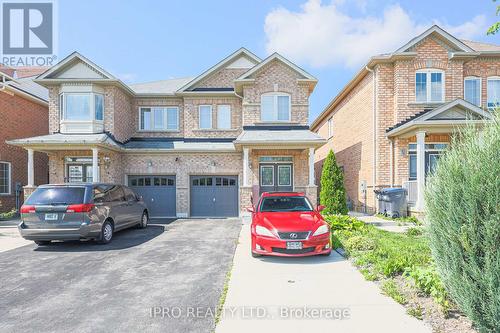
(127, 77)
(323, 35)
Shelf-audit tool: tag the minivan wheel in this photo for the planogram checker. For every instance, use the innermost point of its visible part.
(144, 221)
(42, 242)
(106, 233)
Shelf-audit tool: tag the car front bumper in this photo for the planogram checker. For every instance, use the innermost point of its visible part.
(271, 246)
(85, 231)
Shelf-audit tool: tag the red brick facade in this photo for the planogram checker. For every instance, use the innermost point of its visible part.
(21, 118)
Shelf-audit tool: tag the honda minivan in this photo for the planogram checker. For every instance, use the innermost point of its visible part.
(80, 211)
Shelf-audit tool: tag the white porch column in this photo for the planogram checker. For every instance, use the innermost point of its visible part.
(420, 170)
(311, 167)
(95, 165)
(31, 168)
(245, 166)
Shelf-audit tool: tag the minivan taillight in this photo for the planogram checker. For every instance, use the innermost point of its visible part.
(80, 208)
(25, 209)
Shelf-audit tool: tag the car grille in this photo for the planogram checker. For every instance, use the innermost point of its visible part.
(288, 235)
(295, 251)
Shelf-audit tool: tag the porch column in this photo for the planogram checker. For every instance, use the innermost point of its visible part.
(245, 166)
(311, 167)
(31, 169)
(420, 170)
(95, 165)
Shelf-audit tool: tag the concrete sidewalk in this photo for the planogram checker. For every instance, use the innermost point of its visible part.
(263, 292)
(10, 237)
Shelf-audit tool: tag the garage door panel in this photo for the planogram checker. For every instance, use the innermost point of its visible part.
(214, 196)
(158, 192)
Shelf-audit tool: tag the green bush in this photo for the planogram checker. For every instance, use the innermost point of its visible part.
(344, 222)
(332, 194)
(427, 280)
(463, 217)
(8, 215)
(360, 243)
(414, 232)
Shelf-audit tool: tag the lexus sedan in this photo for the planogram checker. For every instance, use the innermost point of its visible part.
(286, 224)
(80, 211)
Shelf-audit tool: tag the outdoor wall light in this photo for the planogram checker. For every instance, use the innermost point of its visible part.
(150, 164)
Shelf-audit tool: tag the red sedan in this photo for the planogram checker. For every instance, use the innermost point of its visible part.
(286, 224)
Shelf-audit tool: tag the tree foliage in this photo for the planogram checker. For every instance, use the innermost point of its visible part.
(333, 195)
(495, 27)
(463, 217)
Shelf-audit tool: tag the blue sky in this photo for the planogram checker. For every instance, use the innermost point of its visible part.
(141, 41)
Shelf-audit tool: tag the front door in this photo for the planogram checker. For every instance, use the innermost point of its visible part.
(276, 177)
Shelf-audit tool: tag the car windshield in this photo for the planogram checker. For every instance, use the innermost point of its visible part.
(57, 196)
(285, 204)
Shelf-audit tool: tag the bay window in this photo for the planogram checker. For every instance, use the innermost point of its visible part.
(275, 107)
(224, 116)
(429, 86)
(159, 118)
(82, 106)
(205, 115)
(472, 90)
(493, 92)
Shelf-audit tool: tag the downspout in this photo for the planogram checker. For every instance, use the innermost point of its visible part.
(375, 128)
(391, 165)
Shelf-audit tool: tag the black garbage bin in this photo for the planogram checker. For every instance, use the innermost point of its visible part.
(392, 202)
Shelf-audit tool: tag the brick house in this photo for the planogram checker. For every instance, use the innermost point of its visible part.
(24, 112)
(201, 146)
(391, 122)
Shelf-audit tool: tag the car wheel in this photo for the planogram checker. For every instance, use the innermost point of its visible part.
(106, 233)
(144, 221)
(42, 242)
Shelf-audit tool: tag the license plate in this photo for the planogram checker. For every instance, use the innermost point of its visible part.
(294, 245)
(50, 216)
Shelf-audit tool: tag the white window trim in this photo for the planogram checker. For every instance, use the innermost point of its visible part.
(262, 167)
(230, 117)
(480, 87)
(330, 127)
(10, 179)
(490, 78)
(211, 117)
(275, 102)
(62, 107)
(165, 118)
(428, 82)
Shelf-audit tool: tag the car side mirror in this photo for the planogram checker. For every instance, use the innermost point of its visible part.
(250, 209)
(320, 208)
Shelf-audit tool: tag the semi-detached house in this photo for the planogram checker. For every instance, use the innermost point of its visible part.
(201, 146)
(393, 120)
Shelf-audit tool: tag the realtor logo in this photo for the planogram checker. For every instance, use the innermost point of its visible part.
(28, 33)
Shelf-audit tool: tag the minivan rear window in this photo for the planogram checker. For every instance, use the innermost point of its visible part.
(57, 196)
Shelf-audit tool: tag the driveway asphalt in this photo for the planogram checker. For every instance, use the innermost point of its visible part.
(166, 278)
(308, 294)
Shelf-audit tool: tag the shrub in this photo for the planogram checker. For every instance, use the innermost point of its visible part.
(344, 222)
(414, 232)
(427, 280)
(8, 215)
(332, 194)
(359, 243)
(463, 216)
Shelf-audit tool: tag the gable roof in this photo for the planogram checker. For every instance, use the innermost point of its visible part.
(444, 114)
(70, 60)
(242, 52)
(457, 43)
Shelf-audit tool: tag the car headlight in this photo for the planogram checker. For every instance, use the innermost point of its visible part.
(263, 231)
(321, 230)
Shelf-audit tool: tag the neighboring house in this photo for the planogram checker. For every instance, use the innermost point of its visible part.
(23, 112)
(391, 122)
(200, 146)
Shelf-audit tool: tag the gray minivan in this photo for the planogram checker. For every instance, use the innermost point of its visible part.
(80, 211)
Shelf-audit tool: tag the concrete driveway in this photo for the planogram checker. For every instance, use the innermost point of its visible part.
(310, 294)
(143, 281)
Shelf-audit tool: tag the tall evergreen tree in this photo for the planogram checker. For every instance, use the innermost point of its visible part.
(332, 194)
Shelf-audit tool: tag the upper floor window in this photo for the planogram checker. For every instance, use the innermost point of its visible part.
(224, 116)
(472, 90)
(330, 127)
(159, 118)
(429, 85)
(5, 178)
(493, 92)
(82, 106)
(275, 107)
(205, 115)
